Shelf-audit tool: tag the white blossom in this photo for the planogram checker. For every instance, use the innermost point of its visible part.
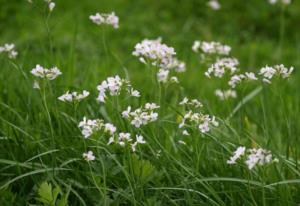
(192, 103)
(51, 6)
(73, 96)
(222, 65)
(268, 72)
(45, 73)
(240, 151)
(90, 126)
(106, 18)
(141, 116)
(211, 48)
(89, 156)
(9, 49)
(113, 87)
(258, 157)
(214, 4)
(155, 52)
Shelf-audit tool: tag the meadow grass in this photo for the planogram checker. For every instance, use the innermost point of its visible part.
(41, 145)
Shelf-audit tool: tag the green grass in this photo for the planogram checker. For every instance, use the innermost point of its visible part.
(40, 140)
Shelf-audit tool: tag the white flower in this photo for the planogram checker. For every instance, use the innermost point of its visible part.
(9, 49)
(113, 87)
(174, 79)
(139, 140)
(221, 66)
(211, 48)
(193, 103)
(74, 96)
(223, 95)
(51, 6)
(285, 2)
(214, 4)
(141, 116)
(258, 156)
(45, 73)
(134, 93)
(268, 72)
(89, 156)
(185, 132)
(155, 52)
(240, 151)
(162, 75)
(109, 19)
(110, 128)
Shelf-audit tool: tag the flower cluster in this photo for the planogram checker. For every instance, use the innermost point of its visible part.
(45, 73)
(224, 95)
(278, 70)
(113, 86)
(238, 78)
(214, 4)
(191, 103)
(211, 48)
(73, 96)
(154, 52)
(157, 54)
(90, 126)
(88, 156)
(284, 2)
(141, 116)
(204, 122)
(124, 139)
(109, 19)
(9, 49)
(222, 65)
(254, 157)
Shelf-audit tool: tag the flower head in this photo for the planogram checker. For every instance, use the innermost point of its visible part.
(45, 73)
(106, 18)
(88, 156)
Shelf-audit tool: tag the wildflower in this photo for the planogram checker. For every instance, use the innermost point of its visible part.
(284, 2)
(221, 66)
(162, 75)
(192, 103)
(258, 157)
(124, 138)
(238, 78)
(45, 73)
(211, 48)
(90, 126)
(214, 4)
(113, 86)
(104, 18)
(141, 116)
(73, 96)
(139, 140)
(9, 49)
(155, 52)
(51, 6)
(89, 156)
(254, 157)
(223, 95)
(240, 151)
(268, 72)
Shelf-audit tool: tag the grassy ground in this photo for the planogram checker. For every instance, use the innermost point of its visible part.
(40, 142)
